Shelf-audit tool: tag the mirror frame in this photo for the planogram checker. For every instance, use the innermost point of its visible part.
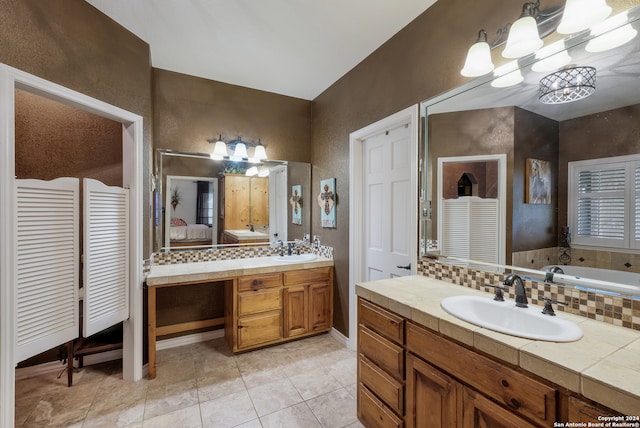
(158, 198)
(426, 191)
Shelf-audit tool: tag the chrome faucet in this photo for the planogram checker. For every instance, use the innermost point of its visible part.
(251, 229)
(521, 294)
(280, 244)
(289, 248)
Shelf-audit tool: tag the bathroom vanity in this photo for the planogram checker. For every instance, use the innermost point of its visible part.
(266, 301)
(419, 366)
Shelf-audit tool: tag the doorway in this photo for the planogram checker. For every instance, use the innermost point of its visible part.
(383, 200)
(12, 79)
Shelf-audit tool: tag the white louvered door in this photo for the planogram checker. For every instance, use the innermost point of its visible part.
(106, 256)
(47, 264)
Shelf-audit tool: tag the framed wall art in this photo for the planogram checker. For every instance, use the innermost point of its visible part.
(327, 203)
(537, 182)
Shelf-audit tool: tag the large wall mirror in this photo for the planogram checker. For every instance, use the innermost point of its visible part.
(205, 203)
(542, 144)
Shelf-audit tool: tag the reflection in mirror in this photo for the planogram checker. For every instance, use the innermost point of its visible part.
(480, 119)
(200, 202)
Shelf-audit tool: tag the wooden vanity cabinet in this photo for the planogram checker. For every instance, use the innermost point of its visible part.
(381, 366)
(270, 308)
(582, 411)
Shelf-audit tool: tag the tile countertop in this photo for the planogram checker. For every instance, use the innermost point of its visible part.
(221, 269)
(603, 366)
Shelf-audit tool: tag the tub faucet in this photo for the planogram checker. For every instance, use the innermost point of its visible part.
(521, 294)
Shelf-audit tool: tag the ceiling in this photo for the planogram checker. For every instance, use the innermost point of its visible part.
(291, 47)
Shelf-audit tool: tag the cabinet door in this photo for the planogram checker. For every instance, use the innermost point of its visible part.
(259, 200)
(480, 412)
(431, 396)
(257, 329)
(295, 310)
(236, 202)
(320, 316)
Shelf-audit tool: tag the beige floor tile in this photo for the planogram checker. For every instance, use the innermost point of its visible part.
(251, 424)
(173, 372)
(274, 396)
(314, 383)
(214, 387)
(257, 378)
(298, 416)
(345, 370)
(63, 409)
(189, 417)
(336, 409)
(118, 403)
(168, 398)
(228, 411)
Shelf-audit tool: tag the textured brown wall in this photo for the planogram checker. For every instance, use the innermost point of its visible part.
(71, 43)
(54, 140)
(189, 110)
(419, 62)
(534, 225)
(611, 133)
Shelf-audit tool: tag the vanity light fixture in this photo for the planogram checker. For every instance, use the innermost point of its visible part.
(567, 85)
(580, 15)
(524, 38)
(238, 149)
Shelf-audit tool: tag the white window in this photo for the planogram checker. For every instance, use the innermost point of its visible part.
(604, 202)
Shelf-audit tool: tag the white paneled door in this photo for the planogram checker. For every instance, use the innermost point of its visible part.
(387, 204)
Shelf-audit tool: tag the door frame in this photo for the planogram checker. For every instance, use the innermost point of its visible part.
(132, 165)
(356, 207)
(277, 200)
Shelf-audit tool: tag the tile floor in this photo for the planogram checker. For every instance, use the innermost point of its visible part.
(306, 383)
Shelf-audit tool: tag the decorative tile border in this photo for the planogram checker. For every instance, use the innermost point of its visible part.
(228, 253)
(620, 311)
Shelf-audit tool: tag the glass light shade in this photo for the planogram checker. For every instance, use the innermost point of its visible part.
(260, 153)
(553, 62)
(507, 75)
(478, 62)
(611, 34)
(579, 15)
(220, 149)
(524, 38)
(251, 171)
(240, 152)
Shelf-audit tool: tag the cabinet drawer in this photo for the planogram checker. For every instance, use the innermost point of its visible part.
(515, 390)
(252, 302)
(257, 329)
(373, 413)
(384, 386)
(382, 321)
(384, 353)
(258, 282)
(307, 276)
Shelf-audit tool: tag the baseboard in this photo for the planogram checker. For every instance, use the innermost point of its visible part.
(102, 357)
(189, 339)
(340, 338)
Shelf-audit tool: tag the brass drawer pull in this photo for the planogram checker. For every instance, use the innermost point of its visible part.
(505, 383)
(514, 403)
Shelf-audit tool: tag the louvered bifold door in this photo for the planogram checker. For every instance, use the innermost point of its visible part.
(47, 264)
(106, 256)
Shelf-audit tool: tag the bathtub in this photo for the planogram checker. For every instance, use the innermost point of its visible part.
(596, 279)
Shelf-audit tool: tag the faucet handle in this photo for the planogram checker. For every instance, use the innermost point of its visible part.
(499, 296)
(548, 306)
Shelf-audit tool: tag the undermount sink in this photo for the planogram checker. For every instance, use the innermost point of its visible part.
(505, 317)
(296, 258)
